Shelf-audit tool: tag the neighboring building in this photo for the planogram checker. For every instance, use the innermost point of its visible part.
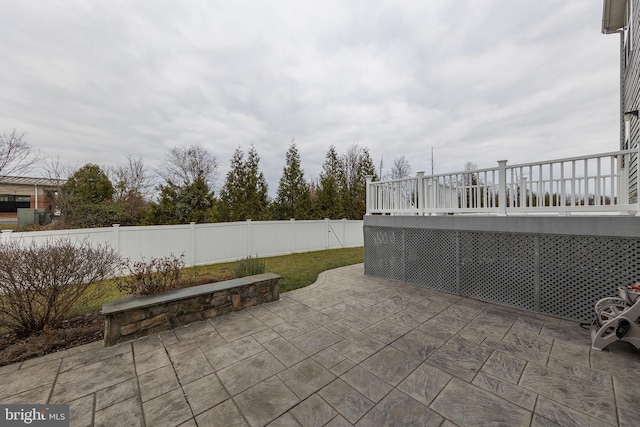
(25, 192)
(623, 17)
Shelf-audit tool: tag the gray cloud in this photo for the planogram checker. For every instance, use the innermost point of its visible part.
(95, 81)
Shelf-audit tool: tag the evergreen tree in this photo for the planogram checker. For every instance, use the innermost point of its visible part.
(256, 187)
(86, 199)
(293, 199)
(182, 204)
(90, 184)
(366, 168)
(328, 203)
(186, 195)
(244, 194)
(230, 201)
(357, 164)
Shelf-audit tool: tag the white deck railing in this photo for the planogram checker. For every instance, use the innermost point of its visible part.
(590, 184)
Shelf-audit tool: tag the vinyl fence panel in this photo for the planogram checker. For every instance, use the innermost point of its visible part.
(203, 244)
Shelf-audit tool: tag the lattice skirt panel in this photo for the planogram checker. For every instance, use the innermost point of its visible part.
(498, 267)
(430, 258)
(563, 277)
(384, 252)
(577, 271)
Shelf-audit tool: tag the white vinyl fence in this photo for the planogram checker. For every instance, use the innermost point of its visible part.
(204, 244)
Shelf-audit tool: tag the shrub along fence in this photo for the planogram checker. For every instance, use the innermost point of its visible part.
(204, 244)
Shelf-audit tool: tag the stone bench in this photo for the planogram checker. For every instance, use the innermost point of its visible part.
(137, 317)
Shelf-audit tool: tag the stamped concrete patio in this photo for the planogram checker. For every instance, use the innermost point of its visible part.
(348, 350)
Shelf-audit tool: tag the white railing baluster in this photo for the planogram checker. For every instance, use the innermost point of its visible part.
(598, 202)
(563, 189)
(586, 182)
(573, 183)
(561, 186)
(612, 179)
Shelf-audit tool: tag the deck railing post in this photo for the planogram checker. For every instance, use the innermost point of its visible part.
(420, 197)
(368, 195)
(502, 187)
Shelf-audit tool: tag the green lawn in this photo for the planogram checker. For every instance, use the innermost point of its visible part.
(296, 270)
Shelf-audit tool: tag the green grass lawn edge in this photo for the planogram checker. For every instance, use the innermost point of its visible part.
(296, 271)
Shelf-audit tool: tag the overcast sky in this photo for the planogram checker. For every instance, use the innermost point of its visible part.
(477, 80)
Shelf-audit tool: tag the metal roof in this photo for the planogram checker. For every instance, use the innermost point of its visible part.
(25, 180)
(613, 14)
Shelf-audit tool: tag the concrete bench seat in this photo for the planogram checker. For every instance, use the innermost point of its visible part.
(137, 317)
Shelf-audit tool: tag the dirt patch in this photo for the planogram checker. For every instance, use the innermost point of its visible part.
(76, 331)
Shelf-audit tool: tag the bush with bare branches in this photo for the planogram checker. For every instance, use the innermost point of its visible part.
(148, 277)
(42, 283)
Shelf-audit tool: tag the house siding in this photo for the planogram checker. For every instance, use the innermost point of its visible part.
(630, 94)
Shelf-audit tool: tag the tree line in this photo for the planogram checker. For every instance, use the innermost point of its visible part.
(95, 197)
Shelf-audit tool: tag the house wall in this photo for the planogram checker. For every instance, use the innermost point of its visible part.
(559, 266)
(630, 91)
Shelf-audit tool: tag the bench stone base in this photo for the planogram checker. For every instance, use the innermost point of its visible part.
(137, 317)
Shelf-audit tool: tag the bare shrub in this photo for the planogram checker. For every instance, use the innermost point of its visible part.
(41, 284)
(148, 277)
(249, 266)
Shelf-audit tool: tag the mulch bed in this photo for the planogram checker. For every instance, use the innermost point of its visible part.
(76, 331)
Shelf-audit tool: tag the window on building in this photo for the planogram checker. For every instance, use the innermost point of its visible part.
(628, 32)
(627, 134)
(10, 203)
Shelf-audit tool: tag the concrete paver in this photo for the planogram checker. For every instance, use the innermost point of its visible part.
(287, 353)
(399, 409)
(224, 414)
(347, 350)
(425, 383)
(349, 402)
(313, 412)
(250, 371)
(266, 401)
(468, 405)
(306, 378)
(366, 383)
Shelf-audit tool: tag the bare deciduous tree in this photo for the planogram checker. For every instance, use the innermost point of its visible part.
(16, 154)
(401, 168)
(58, 173)
(56, 170)
(131, 178)
(351, 161)
(183, 165)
